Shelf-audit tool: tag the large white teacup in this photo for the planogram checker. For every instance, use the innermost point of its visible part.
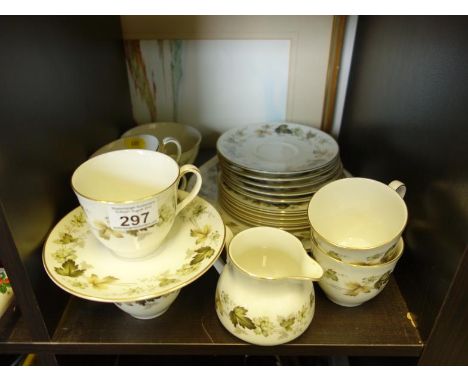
(358, 220)
(130, 198)
(351, 285)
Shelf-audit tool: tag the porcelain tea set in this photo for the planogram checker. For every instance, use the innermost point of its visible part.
(136, 240)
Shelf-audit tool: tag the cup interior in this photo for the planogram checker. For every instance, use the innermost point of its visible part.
(125, 175)
(142, 141)
(357, 213)
(265, 252)
(187, 136)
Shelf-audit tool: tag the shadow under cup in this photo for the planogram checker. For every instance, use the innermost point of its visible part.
(358, 220)
(130, 198)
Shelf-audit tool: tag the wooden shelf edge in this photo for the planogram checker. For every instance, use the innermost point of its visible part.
(393, 350)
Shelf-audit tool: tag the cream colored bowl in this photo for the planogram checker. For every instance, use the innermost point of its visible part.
(150, 308)
(357, 219)
(188, 137)
(352, 285)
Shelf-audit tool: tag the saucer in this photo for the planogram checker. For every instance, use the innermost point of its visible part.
(237, 226)
(279, 148)
(78, 263)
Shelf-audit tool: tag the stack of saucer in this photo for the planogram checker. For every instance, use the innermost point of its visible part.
(269, 173)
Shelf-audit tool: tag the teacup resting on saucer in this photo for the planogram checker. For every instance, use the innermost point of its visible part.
(130, 198)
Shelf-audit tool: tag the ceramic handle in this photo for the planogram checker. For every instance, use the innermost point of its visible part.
(399, 187)
(196, 188)
(175, 142)
(219, 263)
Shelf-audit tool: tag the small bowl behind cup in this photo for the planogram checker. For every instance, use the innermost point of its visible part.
(140, 141)
(352, 285)
(188, 137)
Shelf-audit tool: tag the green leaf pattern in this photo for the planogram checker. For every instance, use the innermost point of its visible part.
(383, 280)
(364, 285)
(166, 214)
(334, 255)
(72, 237)
(69, 240)
(389, 255)
(69, 268)
(238, 317)
(263, 325)
(330, 274)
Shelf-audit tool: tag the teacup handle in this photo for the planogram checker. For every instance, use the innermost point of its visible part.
(196, 188)
(175, 142)
(399, 187)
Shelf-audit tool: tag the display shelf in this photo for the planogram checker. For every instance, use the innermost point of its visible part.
(14, 333)
(388, 131)
(379, 328)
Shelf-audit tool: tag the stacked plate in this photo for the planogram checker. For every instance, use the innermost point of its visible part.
(269, 173)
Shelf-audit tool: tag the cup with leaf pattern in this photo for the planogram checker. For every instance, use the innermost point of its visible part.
(350, 284)
(149, 308)
(358, 220)
(130, 198)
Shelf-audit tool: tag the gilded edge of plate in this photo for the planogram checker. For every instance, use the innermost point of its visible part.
(144, 297)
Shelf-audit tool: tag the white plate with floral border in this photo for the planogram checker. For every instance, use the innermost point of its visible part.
(76, 261)
(278, 148)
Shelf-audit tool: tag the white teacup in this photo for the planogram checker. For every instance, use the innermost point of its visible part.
(130, 198)
(142, 141)
(352, 285)
(358, 220)
(188, 137)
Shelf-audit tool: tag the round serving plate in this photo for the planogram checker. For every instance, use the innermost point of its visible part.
(283, 192)
(266, 198)
(290, 208)
(284, 184)
(237, 226)
(300, 221)
(78, 263)
(299, 218)
(278, 148)
(260, 222)
(275, 177)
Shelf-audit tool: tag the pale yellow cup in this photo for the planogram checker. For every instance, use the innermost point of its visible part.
(358, 220)
(188, 137)
(130, 198)
(142, 141)
(351, 285)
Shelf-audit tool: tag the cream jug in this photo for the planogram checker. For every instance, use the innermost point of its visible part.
(265, 293)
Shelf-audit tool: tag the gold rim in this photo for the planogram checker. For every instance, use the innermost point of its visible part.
(275, 180)
(154, 126)
(265, 222)
(128, 201)
(358, 248)
(228, 253)
(260, 171)
(400, 243)
(145, 297)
